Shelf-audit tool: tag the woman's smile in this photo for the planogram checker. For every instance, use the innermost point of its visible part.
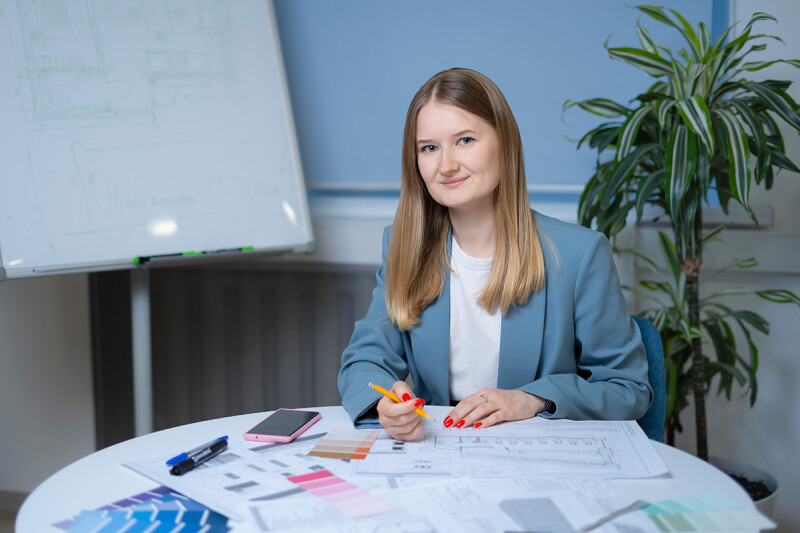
(453, 183)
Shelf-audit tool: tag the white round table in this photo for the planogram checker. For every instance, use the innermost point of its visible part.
(100, 478)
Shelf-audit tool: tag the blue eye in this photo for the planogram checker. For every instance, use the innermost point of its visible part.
(466, 140)
(429, 148)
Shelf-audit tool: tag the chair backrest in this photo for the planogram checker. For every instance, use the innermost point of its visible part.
(653, 420)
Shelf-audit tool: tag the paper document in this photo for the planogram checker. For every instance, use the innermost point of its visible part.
(245, 472)
(249, 472)
(522, 474)
(466, 505)
(538, 446)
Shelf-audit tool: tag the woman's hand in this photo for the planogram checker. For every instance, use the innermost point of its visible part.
(399, 419)
(488, 407)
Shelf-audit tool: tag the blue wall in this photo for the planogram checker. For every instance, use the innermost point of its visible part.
(354, 65)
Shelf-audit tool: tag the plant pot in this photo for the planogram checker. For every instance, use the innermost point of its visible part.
(752, 474)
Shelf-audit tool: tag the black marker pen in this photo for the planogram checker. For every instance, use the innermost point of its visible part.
(197, 456)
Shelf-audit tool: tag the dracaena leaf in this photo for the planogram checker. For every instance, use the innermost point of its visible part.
(624, 169)
(763, 168)
(779, 296)
(658, 14)
(713, 234)
(681, 161)
(780, 160)
(753, 123)
(663, 108)
(738, 154)
(670, 255)
(703, 171)
(753, 66)
(704, 37)
(630, 129)
(599, 106)
(650, 62)
(679, 79)
(695, 80)
(738, 43)
(601, 136)
(689, 34)
(778, 101)
(720, 42)
(649, 262)
(695, 114)
(645, 39)
(759, 16)
(647, 188)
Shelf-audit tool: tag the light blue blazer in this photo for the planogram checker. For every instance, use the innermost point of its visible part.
(573, 342)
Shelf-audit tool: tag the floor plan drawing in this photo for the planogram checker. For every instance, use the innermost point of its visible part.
(587, 451)
(535, 446)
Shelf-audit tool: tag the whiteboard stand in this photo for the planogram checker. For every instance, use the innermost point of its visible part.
(142, 362)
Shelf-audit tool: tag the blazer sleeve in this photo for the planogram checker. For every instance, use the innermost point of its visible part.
(611, 379)
(375, 354)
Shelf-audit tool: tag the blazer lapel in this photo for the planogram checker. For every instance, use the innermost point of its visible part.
(431, 345)
(431, 341)
(521, 334)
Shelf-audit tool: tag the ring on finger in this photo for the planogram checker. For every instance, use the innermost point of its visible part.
(485, 398)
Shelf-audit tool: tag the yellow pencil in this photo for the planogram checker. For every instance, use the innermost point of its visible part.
(393, 396)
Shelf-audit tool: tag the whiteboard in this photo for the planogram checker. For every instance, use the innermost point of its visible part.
(144, 129)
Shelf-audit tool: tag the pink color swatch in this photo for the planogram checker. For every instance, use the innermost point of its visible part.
(350, 499)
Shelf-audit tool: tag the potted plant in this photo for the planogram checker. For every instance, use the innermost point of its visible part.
(702, 128)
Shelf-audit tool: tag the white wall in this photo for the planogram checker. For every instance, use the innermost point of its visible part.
(46, 399)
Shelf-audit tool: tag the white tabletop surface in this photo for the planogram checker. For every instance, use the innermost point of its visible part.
(100, 478)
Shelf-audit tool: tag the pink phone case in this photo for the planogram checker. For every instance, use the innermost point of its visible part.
(261, 437)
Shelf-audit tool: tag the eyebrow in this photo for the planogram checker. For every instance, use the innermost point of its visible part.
(457, 134)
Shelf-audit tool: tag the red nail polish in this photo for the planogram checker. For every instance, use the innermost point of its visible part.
(460, 424)
(477, 424)
(419, 401)
(406, 397)
(448, 422)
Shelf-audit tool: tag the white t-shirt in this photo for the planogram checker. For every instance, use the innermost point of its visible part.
(474, 332)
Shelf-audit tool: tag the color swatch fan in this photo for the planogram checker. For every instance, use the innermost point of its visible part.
(344, 442)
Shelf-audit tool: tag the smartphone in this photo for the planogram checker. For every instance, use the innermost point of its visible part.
(284, 425)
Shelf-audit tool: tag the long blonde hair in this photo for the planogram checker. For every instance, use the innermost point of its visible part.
(416, 262)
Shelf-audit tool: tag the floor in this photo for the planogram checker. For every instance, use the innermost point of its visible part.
(10, 503)
(7, 521)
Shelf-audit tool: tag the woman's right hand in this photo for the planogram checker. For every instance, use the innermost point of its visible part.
(399, 419)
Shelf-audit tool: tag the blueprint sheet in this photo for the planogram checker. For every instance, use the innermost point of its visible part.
(538, 446)
(552, 505)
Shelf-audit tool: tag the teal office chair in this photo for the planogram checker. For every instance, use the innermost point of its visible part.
(653, 420)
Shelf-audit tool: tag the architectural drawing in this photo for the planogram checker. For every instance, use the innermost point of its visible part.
(93, 63)
(524, 448)
(586, 451)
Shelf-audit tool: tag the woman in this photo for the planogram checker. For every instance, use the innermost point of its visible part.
(501, 311)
